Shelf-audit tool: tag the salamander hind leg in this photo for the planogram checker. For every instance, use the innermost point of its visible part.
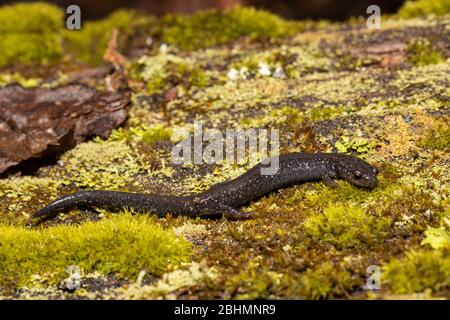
(232, 213)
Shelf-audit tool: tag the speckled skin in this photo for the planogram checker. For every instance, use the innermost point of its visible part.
(227, 197)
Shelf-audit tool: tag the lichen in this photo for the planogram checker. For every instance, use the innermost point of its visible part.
(105, 164)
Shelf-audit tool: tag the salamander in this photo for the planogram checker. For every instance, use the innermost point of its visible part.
(227, 197)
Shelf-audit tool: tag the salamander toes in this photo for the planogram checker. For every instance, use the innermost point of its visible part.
(234, 214)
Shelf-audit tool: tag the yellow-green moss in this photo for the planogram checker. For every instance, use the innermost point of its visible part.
(421, 53)
(89, 43)
(214, 27)
(30, 48)
(30, 33)
(325, 282)
(38, 17)
(6, 78)
(438, 138)
(255, 281)
(418, 8)
(439, 238)
(143, 133)
(155, 134)
(123, 244)
(346, 227)
(418, 271)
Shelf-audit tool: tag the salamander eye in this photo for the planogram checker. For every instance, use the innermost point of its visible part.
(358, 175)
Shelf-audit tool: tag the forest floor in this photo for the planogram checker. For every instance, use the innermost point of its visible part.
(381, 95)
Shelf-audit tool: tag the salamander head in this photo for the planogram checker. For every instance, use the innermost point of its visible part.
(357, 171)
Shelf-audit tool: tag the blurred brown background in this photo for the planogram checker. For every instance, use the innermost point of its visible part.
(292, 9)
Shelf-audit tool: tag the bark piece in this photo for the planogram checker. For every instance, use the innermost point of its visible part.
(38, 122)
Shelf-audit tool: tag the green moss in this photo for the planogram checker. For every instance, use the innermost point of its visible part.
(279, 116)
(198, 78)
(325, 282)
(123, 244)
(214, 27)
(346, 227)
(325, 113)
(421, 53)
(89, 43)
(255, 282)
(145, 133)
(38, 17)
(29, 33)
(439, 238)
(7, 78)
(438, 138)
(418, 271)
(30, 48)
(419, 8)
(156, 134)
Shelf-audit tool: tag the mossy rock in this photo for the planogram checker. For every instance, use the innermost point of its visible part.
(379, 95)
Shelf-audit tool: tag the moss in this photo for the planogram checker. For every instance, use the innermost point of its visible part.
(255, 282)
(346, 227)
(391, 116)
(145, 133)
(214, 27)
(38, 17)
(326, 281)
(439, 238)
(7, 78)
(424, 7)
(35, 39)
(30, 48)
(89, 43)
(124, 245)
(418, 271)
(156, 134)
(437, 138)
(421, 53)
(280, 116)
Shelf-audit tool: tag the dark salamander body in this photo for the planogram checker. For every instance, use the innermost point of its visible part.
(227, 197)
